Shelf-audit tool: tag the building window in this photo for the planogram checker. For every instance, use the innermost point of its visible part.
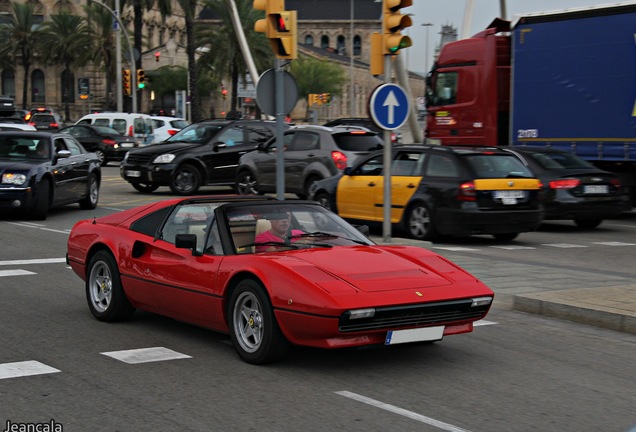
(8, 83)
(340, 45)
(38, 92)
(357, 45)
(68, 89)
(309, 40)
(324, 42)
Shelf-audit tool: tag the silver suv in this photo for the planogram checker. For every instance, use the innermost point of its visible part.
(311, 153)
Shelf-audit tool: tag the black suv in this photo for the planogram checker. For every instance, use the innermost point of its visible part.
(204, 153)
(311, 153)
(438, 191)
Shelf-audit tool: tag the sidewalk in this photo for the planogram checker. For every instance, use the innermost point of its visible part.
(581, 296)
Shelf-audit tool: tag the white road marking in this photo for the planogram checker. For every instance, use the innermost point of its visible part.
(25, 368)
(401, 411)
(37, 226)
(614, 244)
(15, 273)
(455, 248)
(33, 261)
(145, 355)
(563, 245)
(483, 323)
(513, 247)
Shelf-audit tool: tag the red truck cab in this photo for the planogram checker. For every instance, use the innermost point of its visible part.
(468, 90)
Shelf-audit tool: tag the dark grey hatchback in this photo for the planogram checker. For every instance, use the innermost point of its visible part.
(311, 153)
(204, 153)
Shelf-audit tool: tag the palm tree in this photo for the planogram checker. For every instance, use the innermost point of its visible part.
(224, 53)
(66, 41)
(22, 35)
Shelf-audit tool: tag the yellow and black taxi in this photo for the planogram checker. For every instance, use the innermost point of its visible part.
(439, 191)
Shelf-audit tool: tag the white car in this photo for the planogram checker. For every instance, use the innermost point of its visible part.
(16, 126)
(165, 127)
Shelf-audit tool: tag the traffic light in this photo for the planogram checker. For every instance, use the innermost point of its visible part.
(141, 78)
(376, 63)
(279, 26)
(224, 93)
(393, 23)
(157, 56)
(125, 82)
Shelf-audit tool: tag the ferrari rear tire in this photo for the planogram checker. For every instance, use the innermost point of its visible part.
(89, 202)
(104, 292)
(186, 180)
(253, 327)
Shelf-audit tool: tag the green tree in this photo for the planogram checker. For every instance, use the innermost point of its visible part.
(224, 55)
(22, 34)
(66, 41)
(317, 76)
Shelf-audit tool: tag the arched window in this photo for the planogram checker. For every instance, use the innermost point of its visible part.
(340, 45)
(309, 40)
(38, 92)
(357, 45)
(8, 83)
(324, 42)
(68, 89)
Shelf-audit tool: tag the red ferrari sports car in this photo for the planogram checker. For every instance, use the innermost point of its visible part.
(271, 274)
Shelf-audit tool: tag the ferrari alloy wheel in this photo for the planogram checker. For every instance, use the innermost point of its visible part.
(104, 293)
(253, 327)
(186, 180)
(89, 202)
(145, 187)
(419, 223)
(246, 184)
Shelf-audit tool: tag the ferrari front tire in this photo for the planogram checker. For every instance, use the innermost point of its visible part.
(104, 293)
(253, 327)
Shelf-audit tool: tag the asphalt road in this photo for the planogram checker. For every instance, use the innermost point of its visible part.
(515, 372)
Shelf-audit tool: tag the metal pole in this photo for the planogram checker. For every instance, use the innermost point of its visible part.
(386, 225)
(280, 118)
(247, 55)
(427, 25)
(120, 98)
(352, 91)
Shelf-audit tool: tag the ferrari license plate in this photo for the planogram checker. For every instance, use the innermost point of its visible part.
(133, 173)
(395, 337)
(596, 189)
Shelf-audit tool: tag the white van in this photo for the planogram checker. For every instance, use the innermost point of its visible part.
(136, 125)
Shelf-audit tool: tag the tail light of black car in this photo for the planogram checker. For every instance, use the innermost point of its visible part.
(109, 142)
(467, 192)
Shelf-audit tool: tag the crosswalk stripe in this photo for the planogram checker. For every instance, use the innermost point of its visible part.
(563, 245)
(614, 244)
(25, 368)
(18, 272)
(145, 355)
(33, 261)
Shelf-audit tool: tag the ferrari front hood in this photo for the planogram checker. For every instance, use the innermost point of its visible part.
(373, 269)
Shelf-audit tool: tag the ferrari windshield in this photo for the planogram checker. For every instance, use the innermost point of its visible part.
(279, 226)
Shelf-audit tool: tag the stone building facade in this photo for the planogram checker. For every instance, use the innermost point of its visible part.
(325, 30)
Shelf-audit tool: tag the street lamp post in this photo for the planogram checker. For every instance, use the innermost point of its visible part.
(427, 25)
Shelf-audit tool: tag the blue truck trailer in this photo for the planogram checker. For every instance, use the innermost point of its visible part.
(561, 79)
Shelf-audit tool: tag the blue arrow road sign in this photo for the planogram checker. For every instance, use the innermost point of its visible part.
(389, 106)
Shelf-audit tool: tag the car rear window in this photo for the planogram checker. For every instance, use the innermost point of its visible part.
(178, 124)
(44, 118)
(497, 166)
(353, 141)
(560, 160)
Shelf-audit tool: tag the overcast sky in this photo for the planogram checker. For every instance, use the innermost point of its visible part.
(442, 12)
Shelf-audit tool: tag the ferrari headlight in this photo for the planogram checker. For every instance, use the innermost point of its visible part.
(14, 179)
(361, 313)
(164, 158)
(481, 301)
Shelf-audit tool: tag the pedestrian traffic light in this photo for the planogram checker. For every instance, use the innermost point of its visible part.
(279, 26)
(125, 82)
(141, 78)
(157, 56)
(224, 93)
(393, 22)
